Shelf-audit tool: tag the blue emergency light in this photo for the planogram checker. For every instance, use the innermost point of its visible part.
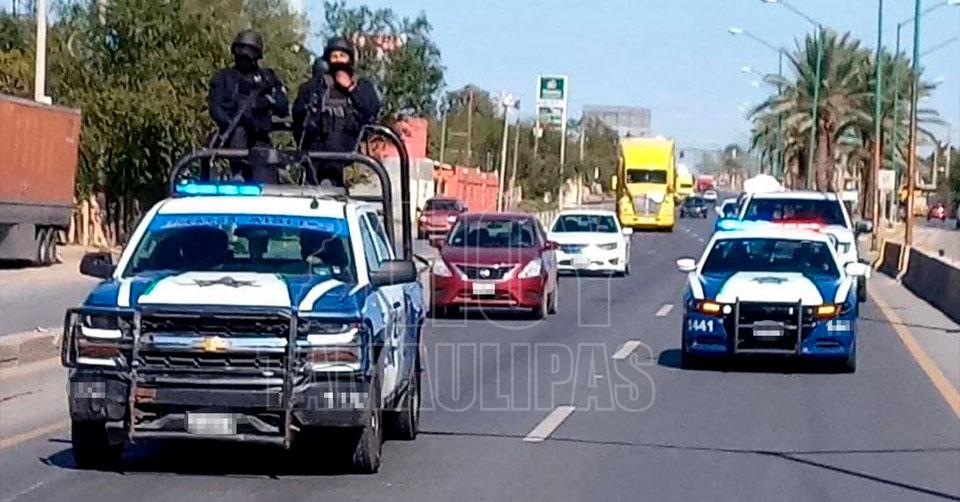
(730, 225)
(229, 189)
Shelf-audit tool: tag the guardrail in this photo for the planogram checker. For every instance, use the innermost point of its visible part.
(931, 278)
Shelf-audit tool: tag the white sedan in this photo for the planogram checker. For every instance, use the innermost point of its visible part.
(591, 241)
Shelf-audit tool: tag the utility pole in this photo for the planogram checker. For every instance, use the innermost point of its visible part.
(877, 131)
(912, 149)
(40, 66)
(516, 158)
(506, 101)
(470, 126)
(443, 135)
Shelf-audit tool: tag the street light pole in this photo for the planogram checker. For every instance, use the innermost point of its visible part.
(877, 130)
(40, 66)
(912, 150)
(780, 164)
(818, 36)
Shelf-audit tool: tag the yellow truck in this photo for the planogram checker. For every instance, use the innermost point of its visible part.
(645, 183)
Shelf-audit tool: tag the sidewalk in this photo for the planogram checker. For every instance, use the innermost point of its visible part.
(927, 237)
(935, 333)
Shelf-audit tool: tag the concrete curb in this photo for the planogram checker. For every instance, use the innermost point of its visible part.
(28, 347)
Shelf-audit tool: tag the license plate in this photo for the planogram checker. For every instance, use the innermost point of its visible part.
(484, 289)
(581, 262)
(212, 424)
(767, 332)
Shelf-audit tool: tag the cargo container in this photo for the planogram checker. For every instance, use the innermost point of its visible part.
(38, 166)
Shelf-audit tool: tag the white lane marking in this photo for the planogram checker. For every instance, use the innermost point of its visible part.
(664, 310)
(549, 424)
(626, 349)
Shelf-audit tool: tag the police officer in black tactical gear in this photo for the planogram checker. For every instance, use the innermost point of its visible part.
(332, 107)
(243, 101)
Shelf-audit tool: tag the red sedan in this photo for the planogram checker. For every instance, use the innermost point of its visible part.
(500, 260)
(938, 212)
(438, 216)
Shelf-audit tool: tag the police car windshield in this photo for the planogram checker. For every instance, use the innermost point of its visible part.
(586, 223)
(810, 258)
(824, 212)
(245, 243)
(494, 233)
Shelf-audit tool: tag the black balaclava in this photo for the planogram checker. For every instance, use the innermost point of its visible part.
(343, 45)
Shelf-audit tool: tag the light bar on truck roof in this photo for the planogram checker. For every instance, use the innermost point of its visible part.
(228, 189)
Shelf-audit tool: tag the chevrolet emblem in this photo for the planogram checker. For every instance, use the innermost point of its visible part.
(214, 344)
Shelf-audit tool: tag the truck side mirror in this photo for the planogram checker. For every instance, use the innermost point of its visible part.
(99, 265)
(394, 272)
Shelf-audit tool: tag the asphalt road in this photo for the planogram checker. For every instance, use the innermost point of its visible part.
(640, 428)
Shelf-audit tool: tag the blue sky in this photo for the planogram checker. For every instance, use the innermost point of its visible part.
(673, 56)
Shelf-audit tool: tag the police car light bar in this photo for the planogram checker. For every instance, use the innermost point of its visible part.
(230, 189)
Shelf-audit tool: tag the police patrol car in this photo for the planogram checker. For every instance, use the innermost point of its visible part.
(249, 313)
(770, 291)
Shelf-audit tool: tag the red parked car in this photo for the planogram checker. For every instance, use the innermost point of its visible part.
(438, 216)
(500, 260)
(937, 211)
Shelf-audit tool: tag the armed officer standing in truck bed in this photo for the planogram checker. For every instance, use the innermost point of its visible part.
(332, 107)
(243, 100)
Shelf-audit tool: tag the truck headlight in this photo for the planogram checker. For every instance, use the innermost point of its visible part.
(331, 346)
(102, 326)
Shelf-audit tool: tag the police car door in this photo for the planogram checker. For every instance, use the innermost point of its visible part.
(394, 305)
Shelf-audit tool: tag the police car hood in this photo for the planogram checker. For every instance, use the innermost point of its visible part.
(774, 287)
(230, 289)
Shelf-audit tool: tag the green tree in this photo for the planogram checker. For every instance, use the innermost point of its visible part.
(138, 70)
(396, 53)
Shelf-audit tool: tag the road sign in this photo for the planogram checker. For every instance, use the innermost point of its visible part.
(552, 88)
(886, 181)
(549, 116)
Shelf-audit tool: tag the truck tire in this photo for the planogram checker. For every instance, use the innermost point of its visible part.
(91, 446)
(52, 243)
(406, 422)
(40, 241)
(369, 446)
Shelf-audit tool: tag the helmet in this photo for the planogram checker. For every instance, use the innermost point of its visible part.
(339, 44)
(248, 43)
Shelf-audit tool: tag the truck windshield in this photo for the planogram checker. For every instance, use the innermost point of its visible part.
(646, 176)
(824, 212)
(811, 258)
(491, 233)
(245, 243)
(441, 205)
(586, 223)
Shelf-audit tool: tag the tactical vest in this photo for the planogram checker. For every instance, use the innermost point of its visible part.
(337, 113)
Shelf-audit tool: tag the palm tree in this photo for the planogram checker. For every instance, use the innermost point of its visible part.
(845, 131)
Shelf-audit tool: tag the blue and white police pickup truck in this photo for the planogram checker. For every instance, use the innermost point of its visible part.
(253, 313)
(773, 292)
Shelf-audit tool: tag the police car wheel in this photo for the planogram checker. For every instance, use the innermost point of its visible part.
(406, 422)
(850, 363)
(861, 289)
(91, 446)
(367, 451)
(688, 360)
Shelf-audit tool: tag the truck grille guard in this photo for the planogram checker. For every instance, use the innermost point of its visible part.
(788, 317)
(130, 367)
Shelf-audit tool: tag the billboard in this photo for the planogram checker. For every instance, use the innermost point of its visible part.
(552, 93)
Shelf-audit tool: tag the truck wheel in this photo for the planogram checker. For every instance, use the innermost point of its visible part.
(91, 446)
(406, 422)
(40, 255)
(52, 243)
(367, 451)
(554, 300)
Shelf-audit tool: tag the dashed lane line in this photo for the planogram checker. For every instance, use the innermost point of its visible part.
(664, 310)
(549, 424)
(626, 349)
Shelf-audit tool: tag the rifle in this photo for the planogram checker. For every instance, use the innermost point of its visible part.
(220, 138)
